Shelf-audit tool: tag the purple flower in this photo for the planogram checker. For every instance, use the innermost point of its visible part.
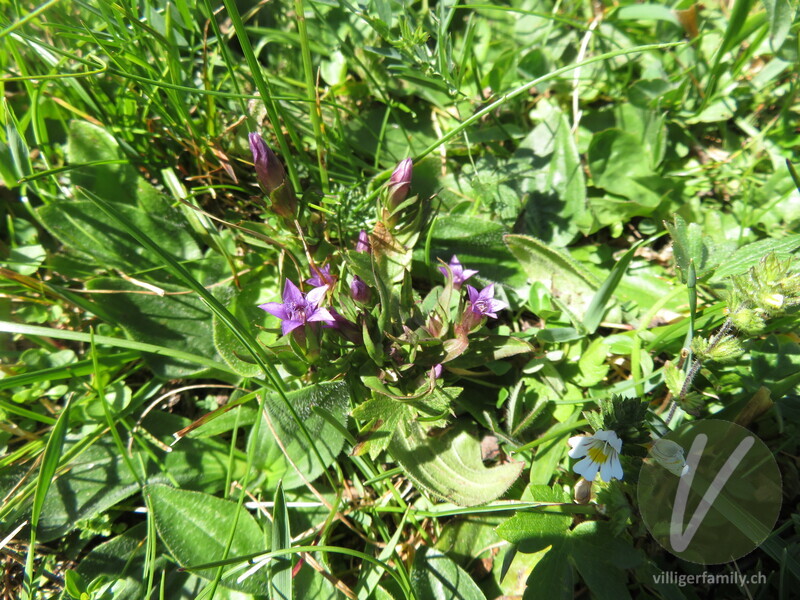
(437, 370)
(321, 277)
(362, 245)
(269, 169)
(297, 308)
(483, 304)
(400, 182)
(359, 290)
(460, 274)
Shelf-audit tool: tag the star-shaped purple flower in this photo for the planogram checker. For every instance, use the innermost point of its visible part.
(321, 277)
(460, 274)
(297, 308)
(482, 304)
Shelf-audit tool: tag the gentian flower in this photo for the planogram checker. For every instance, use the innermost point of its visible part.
(297, 308)
(460, 274)
(400, 182)
(321, 277)
(269, 169)
(359, 290)
(362, 245)
(600, 452)
(482, 304)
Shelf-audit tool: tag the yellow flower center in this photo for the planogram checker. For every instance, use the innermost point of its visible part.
(597, 454)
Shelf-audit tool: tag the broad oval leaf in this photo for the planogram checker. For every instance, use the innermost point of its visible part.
(434, 575)
(450, 466)
(331, 399)
(570, 284)
(195, 528)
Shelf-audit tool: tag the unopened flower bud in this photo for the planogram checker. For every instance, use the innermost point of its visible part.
(359, 290)
(434, 325)
(669, 455)
(400, 182)
(728, 349)
(362, 245)
(748, 321)
(269, 170)
(583, 491)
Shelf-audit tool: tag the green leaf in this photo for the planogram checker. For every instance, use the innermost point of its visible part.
(269, 458)
(569, 283)
(592, 364)
(195, 526)
(15, 160)
(180, 322)
(775, 364)
(535, 531)
(243, 304)
(600, 557)
(78, 336)
(600, 301)
(86, 229)
(647, 12)
(88, 143)
(478, 243)
(434, 575)
(180, 271)
(556, 209)
(490, 348)
(621, 164)
(99, 478)
(50, 460)
(689, 245)
(388, 414)
(121, 559)
(26, 259)
(552, 578)
(450, 466)
(751, 254)
(280, 568)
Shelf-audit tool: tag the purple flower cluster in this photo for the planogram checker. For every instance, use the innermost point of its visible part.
(481, 303)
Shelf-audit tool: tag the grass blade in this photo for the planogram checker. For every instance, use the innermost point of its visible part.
(280, 571)
(50, 460)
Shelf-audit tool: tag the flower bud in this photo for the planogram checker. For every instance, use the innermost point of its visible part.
(269, 169)
(400, 183)
(434, 325)
(669, 455)
(728, 349)
(359, 290)
(362, 245)
(748, 321)
(583, 491)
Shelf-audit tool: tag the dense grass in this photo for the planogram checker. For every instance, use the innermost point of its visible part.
(609, 169)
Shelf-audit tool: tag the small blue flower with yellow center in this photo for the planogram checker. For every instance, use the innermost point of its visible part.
(600, 452)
